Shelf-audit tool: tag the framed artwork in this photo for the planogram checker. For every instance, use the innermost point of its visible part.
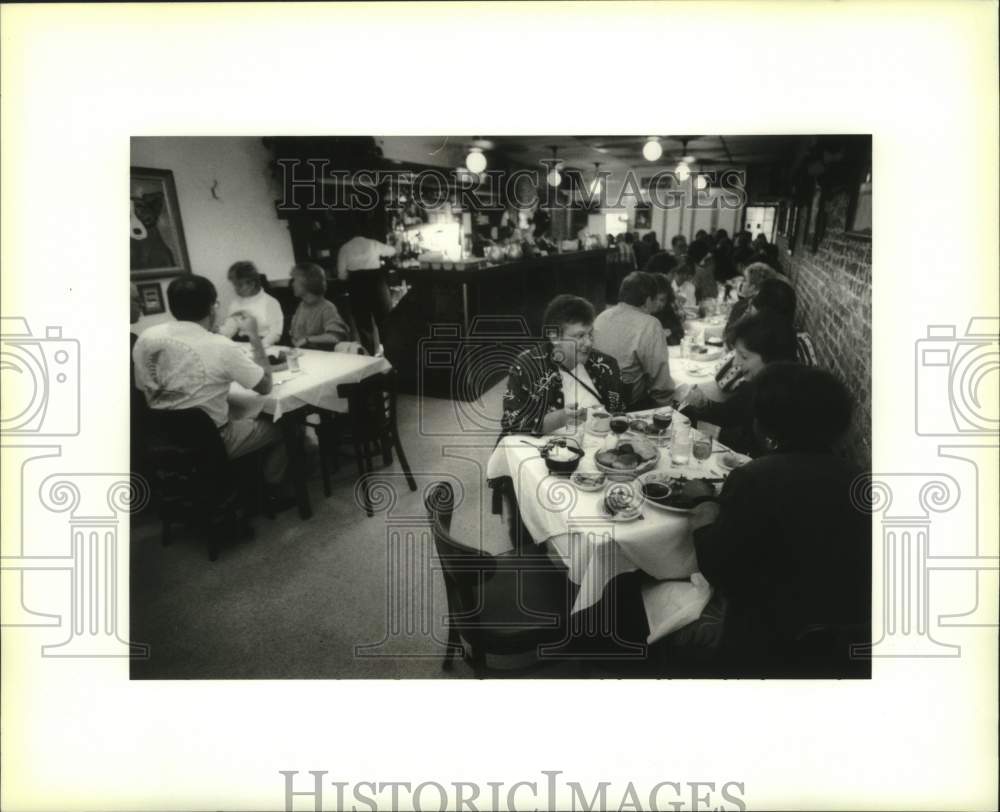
(156, 232)
(792, 226)
(643, 216)
(859, 209)
(151, 297)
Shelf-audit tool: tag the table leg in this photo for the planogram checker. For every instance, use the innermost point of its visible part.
(291, 427)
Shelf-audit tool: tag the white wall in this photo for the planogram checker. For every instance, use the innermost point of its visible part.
(241, 224)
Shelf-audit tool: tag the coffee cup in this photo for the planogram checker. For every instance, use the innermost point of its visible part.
(600, 421)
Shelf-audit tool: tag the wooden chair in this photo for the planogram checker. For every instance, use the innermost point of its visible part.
(370, 427)
(505, 604)
(194, 479)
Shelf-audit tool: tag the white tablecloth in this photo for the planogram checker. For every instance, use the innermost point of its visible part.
(314, 385)
(594, 548)
(686, 372)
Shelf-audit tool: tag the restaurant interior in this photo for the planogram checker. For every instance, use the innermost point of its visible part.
(501, 406)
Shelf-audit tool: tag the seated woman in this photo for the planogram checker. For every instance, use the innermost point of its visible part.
(667, 309)
(563, 369)
(785, 542)
(777, 297)
(758, 340)
(251, 298)
(316, 323)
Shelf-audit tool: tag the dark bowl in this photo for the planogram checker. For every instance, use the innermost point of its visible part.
(562, 466)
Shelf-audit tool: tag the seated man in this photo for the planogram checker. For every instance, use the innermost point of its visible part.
(182, 364)
(630, 334)
(565, 369)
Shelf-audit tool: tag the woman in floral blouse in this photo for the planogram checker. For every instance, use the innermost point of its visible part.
(562, 370)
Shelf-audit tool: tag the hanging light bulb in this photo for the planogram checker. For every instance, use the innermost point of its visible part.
(700, 182)
(595, 184)
(652, 149)
(475, 161)
(554, 178)
(682, 171)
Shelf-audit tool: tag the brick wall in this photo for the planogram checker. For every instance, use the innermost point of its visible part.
(834, 288)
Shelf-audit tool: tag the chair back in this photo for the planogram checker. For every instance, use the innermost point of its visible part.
(372, 405)
(465, 568)
(188, 456)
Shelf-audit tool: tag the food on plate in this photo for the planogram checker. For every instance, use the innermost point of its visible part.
(639, 426)
(589, 480)
(621, 500)
(627, 456)
(714, 341)
(734, 460)
(656, 491)
(699, 349)
(561, 454)
(677, 492)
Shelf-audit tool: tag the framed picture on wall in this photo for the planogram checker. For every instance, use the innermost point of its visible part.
(156, 232)
(151, 298)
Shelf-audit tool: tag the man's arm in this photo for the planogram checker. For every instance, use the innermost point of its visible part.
(275, 322)
(655, 361)
(249, 326)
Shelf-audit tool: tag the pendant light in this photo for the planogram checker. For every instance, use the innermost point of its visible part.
(596, 183)
(652, 150)
(475, 161)
(554, 178)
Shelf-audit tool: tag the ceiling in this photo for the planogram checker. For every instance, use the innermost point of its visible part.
(613, 152)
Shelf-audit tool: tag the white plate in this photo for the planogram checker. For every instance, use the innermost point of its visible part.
(589, 488)
(696, 372)
(726, 467)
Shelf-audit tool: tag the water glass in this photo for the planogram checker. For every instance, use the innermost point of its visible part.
(293, 360)
(702, 447)
(680, 449)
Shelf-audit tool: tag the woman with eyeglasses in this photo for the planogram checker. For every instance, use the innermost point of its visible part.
(562, 370)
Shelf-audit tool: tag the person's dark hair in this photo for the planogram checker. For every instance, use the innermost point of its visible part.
(313, 277)
(636, 288)
(697, 251)
(662, 285)
(244, 271)
(772, 338)
(190, 297)
(629, 238)
(800, 408)
(677, 239)
(777, 297)
(567, 309)
(700, 234)
(721, 234)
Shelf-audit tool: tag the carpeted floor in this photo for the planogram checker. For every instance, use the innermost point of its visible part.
(321, 598)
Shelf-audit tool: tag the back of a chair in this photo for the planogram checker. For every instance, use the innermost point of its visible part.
(188, 455)
(465, 568)
(372, 405)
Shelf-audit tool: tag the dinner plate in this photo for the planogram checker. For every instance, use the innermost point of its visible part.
(725, 466)
(589, 488)
(696, 372)
(658, 476)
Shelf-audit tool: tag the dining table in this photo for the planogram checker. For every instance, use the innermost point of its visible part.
(573, 525)
(315, 384)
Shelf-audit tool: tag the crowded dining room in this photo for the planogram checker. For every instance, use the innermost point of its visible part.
(501, 406)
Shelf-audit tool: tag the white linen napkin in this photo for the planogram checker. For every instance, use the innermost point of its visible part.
(671, 605)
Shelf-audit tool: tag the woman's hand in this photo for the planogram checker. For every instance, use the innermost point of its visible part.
(696, 397)
(299, 342)
(553, 420)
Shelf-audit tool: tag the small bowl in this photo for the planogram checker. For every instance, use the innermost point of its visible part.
(557, 466)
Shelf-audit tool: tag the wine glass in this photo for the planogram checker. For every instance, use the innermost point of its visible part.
(701, 447)
(619, 425)
(661, 422)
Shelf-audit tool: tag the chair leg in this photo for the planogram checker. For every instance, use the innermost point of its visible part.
(386, 450)
(404, 463)
(454, 646)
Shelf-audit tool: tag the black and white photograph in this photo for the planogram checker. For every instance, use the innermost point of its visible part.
(648, 420)
(490, 430)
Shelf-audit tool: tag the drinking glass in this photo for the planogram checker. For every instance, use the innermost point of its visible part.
(293, 359)
(571, 416)
(701, 448)
(680, 449)
(619, 425)
(661, 422)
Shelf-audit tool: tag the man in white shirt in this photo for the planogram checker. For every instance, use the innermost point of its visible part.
(182, 365)
(630, 334)
(252, 299)
(359, 263)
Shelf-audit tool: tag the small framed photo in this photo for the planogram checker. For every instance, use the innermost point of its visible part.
(151, 296)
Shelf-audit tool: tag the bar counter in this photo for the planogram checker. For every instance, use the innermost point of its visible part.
(455, 332)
